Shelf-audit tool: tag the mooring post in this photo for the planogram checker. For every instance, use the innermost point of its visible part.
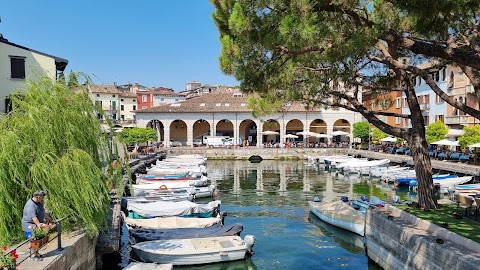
(59, 236)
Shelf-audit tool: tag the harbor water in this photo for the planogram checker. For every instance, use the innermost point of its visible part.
(271, 199)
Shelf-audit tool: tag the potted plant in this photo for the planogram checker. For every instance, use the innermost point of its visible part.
(40, 235)
(8, 260)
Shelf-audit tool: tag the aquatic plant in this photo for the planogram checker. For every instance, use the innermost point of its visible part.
(52, 140)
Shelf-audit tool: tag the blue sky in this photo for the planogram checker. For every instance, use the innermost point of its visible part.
(155, 43)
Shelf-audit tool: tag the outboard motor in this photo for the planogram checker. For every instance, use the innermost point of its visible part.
(363, 198)
(344, 199)
(223, 215)
(250, 242)
(316, 199)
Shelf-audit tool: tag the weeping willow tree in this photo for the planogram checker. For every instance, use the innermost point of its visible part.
(52, 140)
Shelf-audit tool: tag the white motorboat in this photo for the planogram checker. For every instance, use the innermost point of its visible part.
(196, 250)
(171, 222)
(197, 192)
(339, 214)
(139, 190)
(362, 164)
(170, 209)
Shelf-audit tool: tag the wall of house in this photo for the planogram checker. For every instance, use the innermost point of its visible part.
(107, 99)
(36, 65)
(128, 106)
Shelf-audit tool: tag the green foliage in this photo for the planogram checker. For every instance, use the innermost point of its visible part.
(436, 131)
(72, 79)
(361, 130)
(137, 135)
(377, 135)
(61, 79)
(53, 141)
(470, 136)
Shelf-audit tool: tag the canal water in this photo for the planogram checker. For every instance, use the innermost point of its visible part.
(271, 199)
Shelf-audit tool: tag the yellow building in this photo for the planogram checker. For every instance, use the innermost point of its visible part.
(19, 64)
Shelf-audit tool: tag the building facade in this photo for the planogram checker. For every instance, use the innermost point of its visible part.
(19, 64)
(224, 112)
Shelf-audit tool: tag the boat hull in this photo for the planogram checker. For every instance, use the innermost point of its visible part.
(339, 219)
(192, 251)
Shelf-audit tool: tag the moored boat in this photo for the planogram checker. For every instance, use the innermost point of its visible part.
(143, 235)
(339, 214)
(172, 222)
(196, 250)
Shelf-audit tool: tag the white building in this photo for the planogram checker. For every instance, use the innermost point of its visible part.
(19, 63)
(224, 112)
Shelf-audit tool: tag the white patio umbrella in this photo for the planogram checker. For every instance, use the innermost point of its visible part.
(339, 133)
(269, 132)
(322, 136)
(476, 145)
(389, 139)
(446, 142)
(290, 136)
(308, 133)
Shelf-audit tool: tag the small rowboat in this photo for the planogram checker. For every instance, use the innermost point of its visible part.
(196, 250)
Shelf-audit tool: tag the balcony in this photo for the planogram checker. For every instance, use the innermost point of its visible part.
(460, 120)
(425, 107)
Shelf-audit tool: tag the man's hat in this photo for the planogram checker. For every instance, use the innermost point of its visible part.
(39, 193)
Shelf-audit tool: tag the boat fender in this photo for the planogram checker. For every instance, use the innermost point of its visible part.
(363, 197)
(162, 187)
(250, 242)
(316, 199)
(344, 199)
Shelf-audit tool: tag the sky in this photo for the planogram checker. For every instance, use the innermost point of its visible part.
(164, 43)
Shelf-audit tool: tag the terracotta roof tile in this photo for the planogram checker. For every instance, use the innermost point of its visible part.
(103, 88)
(209, 102)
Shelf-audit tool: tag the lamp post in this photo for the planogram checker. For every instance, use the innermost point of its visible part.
(369, 134)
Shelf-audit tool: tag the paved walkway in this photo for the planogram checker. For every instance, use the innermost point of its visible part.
(49, 251)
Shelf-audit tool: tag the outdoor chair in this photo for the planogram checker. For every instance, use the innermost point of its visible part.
(477, 209)
(464, 202)
(455, 156)
(464, 158)
(442, 156)
(408, 152)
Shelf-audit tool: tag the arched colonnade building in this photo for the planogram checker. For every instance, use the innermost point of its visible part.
(225, 113)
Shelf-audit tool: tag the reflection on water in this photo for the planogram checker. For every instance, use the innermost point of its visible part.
(271, 199)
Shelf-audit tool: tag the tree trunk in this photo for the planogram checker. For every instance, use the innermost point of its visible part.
(423, 169)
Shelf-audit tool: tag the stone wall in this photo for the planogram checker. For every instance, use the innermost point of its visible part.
(399, 240)
(80, 255)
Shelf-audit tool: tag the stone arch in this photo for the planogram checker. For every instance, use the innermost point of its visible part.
(224, 128)
(293, 126)
(248, 131)
(271, 125)
(178, 131)
(201, 128)
(342, 125)
(319, 126)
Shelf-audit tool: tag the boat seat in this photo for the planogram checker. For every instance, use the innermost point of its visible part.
(226, 244)
(464, 202)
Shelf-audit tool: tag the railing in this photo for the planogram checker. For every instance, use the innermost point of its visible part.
(424, 106)
(58, 237)
(459, 119)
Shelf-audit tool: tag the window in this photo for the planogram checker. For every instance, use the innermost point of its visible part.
(227, 104)
(114, 116)
(398, 103)
(99, 116)
(17, 65)
(438, 99)
(218, 104)
(114, 105)
(98, 95)
(122, 108)
(426, 119)
(121, 99)
(439, 117)
(122, 117)
(144, 98)
(98, 103)
(113, 95)
(134, 107)
(162, 99)
(397, 120)
(243, 104)
(176, 99)
(144, 107)
(202, 104)
(427, 98)
(405, 103)
(134, 100)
